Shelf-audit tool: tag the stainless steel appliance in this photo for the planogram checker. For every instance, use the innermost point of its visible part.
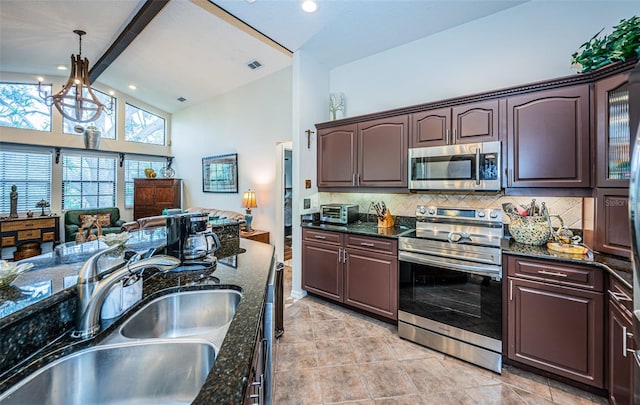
(450, 283)
(634, 215)
(189, 240)
(339, 213)
(469, 167)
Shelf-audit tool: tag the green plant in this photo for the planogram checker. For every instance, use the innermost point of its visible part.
(622, 44)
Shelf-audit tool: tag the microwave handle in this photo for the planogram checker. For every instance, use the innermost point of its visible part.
(478, 166)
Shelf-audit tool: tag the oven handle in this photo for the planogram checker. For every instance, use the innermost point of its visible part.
(450, 264)
(478, 166)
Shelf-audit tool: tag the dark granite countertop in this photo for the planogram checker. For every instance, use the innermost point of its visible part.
(361, 228)
(617, 266)
(245, 269)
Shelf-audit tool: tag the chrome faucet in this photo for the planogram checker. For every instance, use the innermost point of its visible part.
(92, 291)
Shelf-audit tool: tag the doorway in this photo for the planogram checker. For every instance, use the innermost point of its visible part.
(288, 194)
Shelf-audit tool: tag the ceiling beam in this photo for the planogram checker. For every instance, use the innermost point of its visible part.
(147, 12)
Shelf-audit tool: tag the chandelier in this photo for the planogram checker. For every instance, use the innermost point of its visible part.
(77, 101)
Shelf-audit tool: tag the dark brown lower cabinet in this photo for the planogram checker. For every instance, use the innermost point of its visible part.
(554, 327)
(359, 271)
(620, 345)
(368, 277)
(254, 394)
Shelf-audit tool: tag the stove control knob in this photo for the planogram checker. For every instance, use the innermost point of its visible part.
(422, 209)
(432, 211)
(480, 214)
(494, 214)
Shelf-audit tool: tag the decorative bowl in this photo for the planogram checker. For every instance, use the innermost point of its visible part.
(533, 230)
(10, 270)
(112, 239)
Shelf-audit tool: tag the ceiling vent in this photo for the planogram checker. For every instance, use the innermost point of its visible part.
(254, 65)
(182, 99)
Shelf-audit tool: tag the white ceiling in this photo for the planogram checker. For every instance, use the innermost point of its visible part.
(189, 51)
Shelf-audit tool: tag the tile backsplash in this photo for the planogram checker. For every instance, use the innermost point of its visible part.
(569, 208)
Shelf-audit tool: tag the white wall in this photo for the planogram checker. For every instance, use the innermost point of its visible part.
(249, 121)
(526, 43)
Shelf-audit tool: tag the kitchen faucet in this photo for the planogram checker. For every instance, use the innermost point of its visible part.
(92, 291)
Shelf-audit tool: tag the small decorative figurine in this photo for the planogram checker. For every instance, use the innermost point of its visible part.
(14, 202)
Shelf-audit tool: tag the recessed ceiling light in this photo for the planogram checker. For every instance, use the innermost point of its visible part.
(182, 99)
(112, 93)
(132, 86)
(250, 1)
(40, 78)
(62, 67)
(309, 6)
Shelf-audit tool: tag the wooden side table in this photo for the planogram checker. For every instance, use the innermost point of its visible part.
(257, 235)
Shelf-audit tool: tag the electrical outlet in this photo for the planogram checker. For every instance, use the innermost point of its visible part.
(307, 183)
(307, 203)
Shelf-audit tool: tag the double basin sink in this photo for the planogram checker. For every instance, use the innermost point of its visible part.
(162, 354)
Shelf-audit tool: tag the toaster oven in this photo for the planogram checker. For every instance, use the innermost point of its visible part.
(339, 213)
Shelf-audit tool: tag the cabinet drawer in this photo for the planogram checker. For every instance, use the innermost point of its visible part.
(620, 293)
(555, 272)
(378, 244)
(31, 234)
(8, 241)
(321, 236)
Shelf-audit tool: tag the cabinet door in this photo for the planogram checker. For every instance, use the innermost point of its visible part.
(322, 272)
(548, 138)
(612, 221)
(337, 156)
(476, 122)
(431, 128)
(167, 193)
(556, 329)
(612, 131)
(371, 282)
(382, 152)
(144, 191)
(620, 359)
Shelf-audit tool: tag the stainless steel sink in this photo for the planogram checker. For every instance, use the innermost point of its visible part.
(188, 313)
(150, 372)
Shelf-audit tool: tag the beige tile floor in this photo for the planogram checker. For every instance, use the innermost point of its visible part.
(331, 355)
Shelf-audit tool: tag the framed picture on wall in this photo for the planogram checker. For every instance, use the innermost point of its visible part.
(220, 174)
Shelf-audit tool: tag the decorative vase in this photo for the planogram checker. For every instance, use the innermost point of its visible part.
(91, 137)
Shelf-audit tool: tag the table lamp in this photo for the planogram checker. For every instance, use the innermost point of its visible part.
(248, 202)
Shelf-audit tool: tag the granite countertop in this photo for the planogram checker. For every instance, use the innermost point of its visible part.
(617, 266)
(361, 228)
(245, 269)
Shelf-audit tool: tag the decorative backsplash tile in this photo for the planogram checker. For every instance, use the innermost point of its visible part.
(569, 208)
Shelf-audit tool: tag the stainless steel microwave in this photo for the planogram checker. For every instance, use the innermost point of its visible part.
(463, 167)
(339, 213)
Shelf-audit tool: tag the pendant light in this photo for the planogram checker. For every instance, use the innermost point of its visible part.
(77, 101)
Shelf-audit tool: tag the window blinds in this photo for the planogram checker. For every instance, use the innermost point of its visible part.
(31, 173)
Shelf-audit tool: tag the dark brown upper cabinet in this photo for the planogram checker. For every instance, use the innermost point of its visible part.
(337, 156)
(368, 154)
(612, 131)
(548, 138)
(467, 123)
(612, 233)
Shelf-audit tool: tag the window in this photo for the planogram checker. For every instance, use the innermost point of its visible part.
(143, 126)
(88, 182)
(31, 173)
(106, 123)
(22, 107)
(135, 169)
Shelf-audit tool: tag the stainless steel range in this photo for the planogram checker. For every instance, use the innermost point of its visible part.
(450, 283)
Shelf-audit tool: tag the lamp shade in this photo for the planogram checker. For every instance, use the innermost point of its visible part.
(249, 199)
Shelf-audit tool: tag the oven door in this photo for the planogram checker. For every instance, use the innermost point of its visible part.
(465, 300)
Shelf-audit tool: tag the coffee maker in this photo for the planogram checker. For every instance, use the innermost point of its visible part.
(189, 240)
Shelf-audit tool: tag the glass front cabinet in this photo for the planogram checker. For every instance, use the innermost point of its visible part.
(613, 134)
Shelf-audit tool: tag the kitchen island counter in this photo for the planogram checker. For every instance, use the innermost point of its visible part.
(246, 269)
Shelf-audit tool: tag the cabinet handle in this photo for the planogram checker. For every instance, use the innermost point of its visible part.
(624, 341)
(477, 166)
(552, 273)
(358, 183)
(353, 180)
(319, 237)
(339, 255)
(619, 297)
(510, 290)
(344, 255)
(367, 244)
(509, 177)
(455, 134)
(446, 136)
